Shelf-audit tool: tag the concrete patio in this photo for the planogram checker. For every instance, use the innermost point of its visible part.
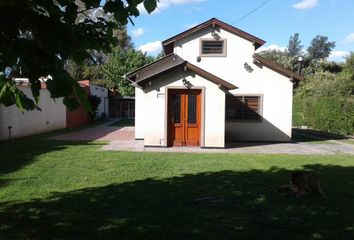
(122, 139)
(241, 147)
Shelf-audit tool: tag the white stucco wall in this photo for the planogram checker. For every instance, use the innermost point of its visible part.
(139, 113)
(276, 91)
(102, 93)
(275, 88)
(52, 117)
(152, 113)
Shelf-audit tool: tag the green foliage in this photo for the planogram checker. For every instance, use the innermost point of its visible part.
(294, 47)
(10, 94)
(92, 68)
(349, 64)
(121, 63)
(38, 37)
(325, 100)
(327, 113)
(324, 83)
(320, 48)
(282, 58)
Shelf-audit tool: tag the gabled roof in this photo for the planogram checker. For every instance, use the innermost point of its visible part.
(169, 43)
(275, 67)
(167, 64)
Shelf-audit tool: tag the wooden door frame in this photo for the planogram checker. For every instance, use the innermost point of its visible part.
(202, 112)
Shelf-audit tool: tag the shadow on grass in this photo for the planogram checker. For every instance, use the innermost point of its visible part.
(221, 205)
(310, 135)
(18, 153)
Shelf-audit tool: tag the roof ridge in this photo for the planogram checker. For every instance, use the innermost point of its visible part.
(259, 42)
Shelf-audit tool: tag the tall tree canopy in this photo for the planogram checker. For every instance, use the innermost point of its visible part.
(91, 68)
(294, 46)
(123, 62)
(320, 48)
(37, 37)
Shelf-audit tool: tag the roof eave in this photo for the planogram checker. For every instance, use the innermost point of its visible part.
(275, 67)
(257, 41)
(130, 75)
(133, 77)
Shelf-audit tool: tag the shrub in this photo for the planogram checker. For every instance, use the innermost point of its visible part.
(332, 113)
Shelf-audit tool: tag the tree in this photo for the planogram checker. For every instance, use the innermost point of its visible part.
(320, 48)
(123, 62)
(37, 37)
(294, 48)
(282, 58)
(349, 64)
(91, 68)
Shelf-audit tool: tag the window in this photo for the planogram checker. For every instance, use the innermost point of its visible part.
(213, 48)
(177, 108)
(243, 107)
(192, 108)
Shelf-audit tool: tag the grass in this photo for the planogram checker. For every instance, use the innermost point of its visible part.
(349, 141)
(70, 190)
(316, 137)
(126, 122)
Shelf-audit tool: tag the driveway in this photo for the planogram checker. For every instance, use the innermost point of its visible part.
(122, 139)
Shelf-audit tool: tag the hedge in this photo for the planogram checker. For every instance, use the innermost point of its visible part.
(333, 114)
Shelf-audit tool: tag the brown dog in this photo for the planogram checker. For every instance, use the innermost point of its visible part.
(302, 183)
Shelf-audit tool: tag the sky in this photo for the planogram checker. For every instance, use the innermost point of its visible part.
(275, 21)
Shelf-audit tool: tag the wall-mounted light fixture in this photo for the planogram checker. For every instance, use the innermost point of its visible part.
(248, 67)
(301, 61)
(186, 83)
(215, 35)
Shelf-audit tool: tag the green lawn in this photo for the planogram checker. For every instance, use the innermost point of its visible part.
(62, 190)
(125, 122)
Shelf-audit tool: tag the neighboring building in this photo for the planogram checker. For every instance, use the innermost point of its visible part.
(79, 116)
(102, 93)
(53, 114)
(120, 106)
(51, 117)
(211, 88)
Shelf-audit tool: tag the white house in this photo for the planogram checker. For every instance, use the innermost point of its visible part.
(211, 88)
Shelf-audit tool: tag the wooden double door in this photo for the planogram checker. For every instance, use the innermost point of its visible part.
(184, 117)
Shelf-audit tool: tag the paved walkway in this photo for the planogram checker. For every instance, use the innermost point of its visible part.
(122, 139)
(241, 147)
(101, 132)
